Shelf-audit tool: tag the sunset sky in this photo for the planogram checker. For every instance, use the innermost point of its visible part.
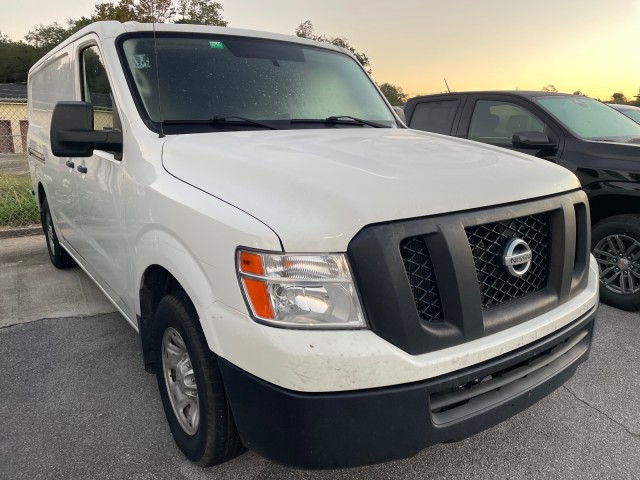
(587, 45)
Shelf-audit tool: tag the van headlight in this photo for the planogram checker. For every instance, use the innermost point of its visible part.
(300, 290)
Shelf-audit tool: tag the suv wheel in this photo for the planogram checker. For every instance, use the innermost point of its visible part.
(190, 385)
(616, 247)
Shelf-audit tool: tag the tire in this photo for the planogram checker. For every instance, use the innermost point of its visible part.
(58, 255)
(615, 244)
(201, 422)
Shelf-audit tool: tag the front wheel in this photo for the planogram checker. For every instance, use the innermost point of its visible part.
(616, 247)
(191, 387)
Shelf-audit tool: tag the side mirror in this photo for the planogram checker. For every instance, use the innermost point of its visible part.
(400, 113)
(532, 140)
(72, 133)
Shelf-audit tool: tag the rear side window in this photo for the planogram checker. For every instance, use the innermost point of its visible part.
(96, 89)
(435, 117)
(495, 122)
(51, 83)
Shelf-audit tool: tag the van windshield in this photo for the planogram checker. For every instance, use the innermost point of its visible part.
(590, 119)
(195, 83)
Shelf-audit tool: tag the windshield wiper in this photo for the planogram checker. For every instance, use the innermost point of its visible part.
(340, 119)
(225, 121)
(615, 140)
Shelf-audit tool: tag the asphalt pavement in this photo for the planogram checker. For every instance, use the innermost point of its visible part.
(76, 402)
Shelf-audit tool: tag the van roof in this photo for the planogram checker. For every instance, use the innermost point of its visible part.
(112, 29)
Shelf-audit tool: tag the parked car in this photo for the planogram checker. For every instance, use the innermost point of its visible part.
(306, 277)
(596, 143)
(629, 110)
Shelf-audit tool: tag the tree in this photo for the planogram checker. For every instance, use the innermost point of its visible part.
(159, 11)
(305, 30)
(74, 25)
(122, 12)
(394, 94)
(17, 57)
(578, 92)
(618, 97)
(44, 38)
(15, 60)
(202, 12)
(549, 88)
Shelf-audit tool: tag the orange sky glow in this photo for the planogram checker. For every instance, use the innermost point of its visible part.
(585, 45)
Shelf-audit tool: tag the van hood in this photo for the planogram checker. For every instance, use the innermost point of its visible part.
(317, 188)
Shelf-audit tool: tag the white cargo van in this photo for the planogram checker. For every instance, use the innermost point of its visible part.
(310, 279)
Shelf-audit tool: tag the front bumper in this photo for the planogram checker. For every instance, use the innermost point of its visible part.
(351, 428)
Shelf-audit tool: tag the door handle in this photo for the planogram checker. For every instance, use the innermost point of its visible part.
(82, 169)
(70, 164)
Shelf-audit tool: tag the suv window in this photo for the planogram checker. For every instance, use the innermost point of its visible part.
(96, 89)
(435, 117)
(495, 121)
(590, 119)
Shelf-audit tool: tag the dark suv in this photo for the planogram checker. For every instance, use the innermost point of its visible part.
(600, 145)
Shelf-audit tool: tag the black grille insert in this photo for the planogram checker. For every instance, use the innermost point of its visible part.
(488, 242)
(422, 279)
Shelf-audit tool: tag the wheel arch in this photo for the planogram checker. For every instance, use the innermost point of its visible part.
(156, 283)
(607, 205)
(164, 266)
(41, 195)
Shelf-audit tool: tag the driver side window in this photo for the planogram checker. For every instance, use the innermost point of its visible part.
(96, 89)
(495, 122)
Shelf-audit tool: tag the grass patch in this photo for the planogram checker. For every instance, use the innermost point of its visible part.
(17, 204)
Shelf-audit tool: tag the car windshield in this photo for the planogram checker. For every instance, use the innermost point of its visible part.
(632, 113)
(194, 83)
(590, 119)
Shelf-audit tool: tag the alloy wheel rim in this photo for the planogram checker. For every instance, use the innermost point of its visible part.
(180, 381)
(618, 258)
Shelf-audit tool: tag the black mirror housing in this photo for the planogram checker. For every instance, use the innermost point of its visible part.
(532, 140)
(72, 133)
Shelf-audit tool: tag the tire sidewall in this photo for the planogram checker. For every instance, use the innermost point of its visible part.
(628, 225)
(55, 254)
(45, 218)
(59, 257)
(193, 446)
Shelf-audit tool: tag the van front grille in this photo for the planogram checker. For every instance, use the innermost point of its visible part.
(488, 242)
(422, 279)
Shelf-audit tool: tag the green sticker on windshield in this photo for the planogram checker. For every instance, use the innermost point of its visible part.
(216, 45)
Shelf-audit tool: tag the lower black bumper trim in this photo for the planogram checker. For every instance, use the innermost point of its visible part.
(360, 427)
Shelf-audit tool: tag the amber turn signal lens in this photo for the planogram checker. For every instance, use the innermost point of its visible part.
(257, 293)
(250, 263)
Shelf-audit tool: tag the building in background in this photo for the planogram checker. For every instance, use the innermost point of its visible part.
(13, 118)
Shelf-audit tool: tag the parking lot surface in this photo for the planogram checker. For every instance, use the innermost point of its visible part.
(78, 404)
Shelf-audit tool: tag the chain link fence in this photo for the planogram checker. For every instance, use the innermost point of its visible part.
(17, 204)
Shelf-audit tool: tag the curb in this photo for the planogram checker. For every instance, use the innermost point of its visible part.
(11, 232)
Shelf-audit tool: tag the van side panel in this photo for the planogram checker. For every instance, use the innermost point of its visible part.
(50, 82)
